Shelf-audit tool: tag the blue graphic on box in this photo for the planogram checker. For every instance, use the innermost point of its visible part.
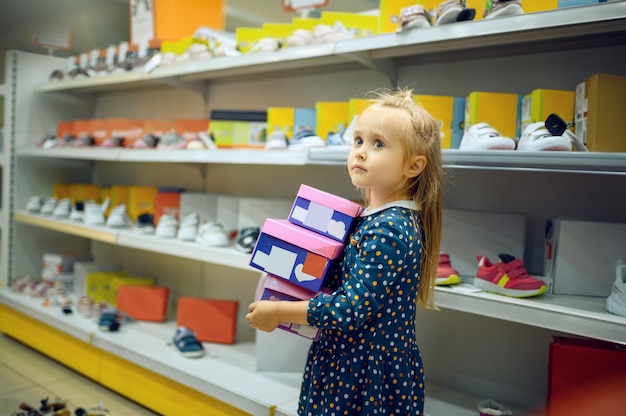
(288, 261)
(321, 219)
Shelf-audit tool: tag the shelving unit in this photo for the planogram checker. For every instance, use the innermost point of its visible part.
(537, 185)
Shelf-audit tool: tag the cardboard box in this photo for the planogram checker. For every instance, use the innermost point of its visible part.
(235, 128)
(167, 202)
(281, 119)
(173, 19)
(276, 288)
(389, 18)
(584, 256)
(117, 281)
(82, 268)
(201, 203)
(327, 214)
(500, 110)
(143, 303)
(98, 284)
(332, 117)
(450, 112)
(211, 320)
(540, 103)
(141, 200)
(61, 190)
(56, 263)
(82, 192)
(600, 101)
(357, 105)
(294, 253)
(189, 128)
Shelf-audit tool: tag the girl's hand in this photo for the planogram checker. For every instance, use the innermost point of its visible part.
(263, 315)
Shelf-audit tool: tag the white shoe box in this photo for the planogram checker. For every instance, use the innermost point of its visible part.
(468, 234)
(228, 213)
(254, 211)
(202, 203)
(584, 256)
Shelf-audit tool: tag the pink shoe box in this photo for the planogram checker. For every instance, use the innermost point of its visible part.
(324, 213)
(276, 288)
(294, 253)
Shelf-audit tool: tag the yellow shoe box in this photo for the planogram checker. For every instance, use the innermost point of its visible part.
(600, 103)
(141, 200)
(61, 190)
(98, 284)
(500, 110)
(85, 192)
(356, 106)
(449, 112)
(306, 23)
(332, 116)
(389, 18)
(360, 25)
(540, 103)
(120, 280)
(281, 119)
(279, 31)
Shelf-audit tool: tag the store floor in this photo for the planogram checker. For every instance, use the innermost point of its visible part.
(26, 376)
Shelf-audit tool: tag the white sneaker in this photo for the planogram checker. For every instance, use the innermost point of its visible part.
(482, 136)
(188, 230)
(62, 210)
(77, 213)
(212, 234)
(536, 137)
(118, 218)
(167, 226)
(48, 206)
(34, 204)
(616, 302)
(94, 212)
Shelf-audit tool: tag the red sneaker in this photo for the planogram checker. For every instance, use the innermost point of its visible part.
(446, 274)
(507, 277)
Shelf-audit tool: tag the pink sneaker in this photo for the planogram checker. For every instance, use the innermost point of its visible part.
(446, 274)
(507, 277)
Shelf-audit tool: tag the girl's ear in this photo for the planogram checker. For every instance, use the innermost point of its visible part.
(417, 167)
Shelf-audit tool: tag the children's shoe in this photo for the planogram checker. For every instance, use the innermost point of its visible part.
(276, 140)
(616, 302)
(187, 344)
(448, 12)
(247, 239)
(77, 213)
(34, 204)
(482, 136)
(188, 230)
(491, 408)
(63, 208)
(109, 320)
(167, 226)
(502, 8)
(94, 212)
(537, 138)
(212, 234)
(118, 218)
(446, 274)
(145, 224)
(49, 205)
(507, 277)
(171, 141)
(413, 17)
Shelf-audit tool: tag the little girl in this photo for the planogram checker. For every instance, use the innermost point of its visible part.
(367, 361)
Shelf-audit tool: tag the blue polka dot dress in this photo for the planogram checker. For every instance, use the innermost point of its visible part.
(366, 361)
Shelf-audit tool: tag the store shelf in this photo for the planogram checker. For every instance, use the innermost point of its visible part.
(587, 162)
(576, 27)
(580, 315)
(226, 256)
(226, 372)
(234, 156)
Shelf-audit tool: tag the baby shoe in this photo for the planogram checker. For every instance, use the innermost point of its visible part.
(77, 213)
(109, 320)
(446, 274)
(276, 140)
(49, 205)
(34, 204)
(247, 239)
(63, 208)
(94, 212)
(188, 227)
(118, 218)
(187, 344)
(145, 223)
(167, 226)
(212, 234)
(482, 136)
(413, 17)
(171, 141)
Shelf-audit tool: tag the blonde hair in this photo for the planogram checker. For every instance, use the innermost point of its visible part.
(420, 137)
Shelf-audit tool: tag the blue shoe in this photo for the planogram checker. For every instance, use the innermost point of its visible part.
(187, 344)
(109, 320)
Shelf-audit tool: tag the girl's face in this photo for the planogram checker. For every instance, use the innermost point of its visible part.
(377, 157)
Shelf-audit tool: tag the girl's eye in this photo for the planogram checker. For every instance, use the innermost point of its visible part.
(379, 144)
(358, 141)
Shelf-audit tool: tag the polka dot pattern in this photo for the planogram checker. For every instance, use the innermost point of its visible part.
(367, 361)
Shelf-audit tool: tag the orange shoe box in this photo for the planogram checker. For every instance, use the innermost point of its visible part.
(143, 303)
(167, 202)
(211, 320)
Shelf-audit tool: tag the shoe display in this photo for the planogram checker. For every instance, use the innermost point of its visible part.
(536, 137)
(171, 141)
(616, 302)
(448, 12)
(63, 208)
(446, 274)
(77, 213)
(145, 224)
(276, 140)
(502, 8)
(188, 227)
(118, 218)
(508, 277)
(247, 239)
(212, 234)
(149, 141)
(489, 407)
(34, 204)
(482, 136)
(187, 344)
(94, 212)
(413, 17)
(167, 226)
(48, 206)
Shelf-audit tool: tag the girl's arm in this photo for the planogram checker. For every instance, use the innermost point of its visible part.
(267, 314)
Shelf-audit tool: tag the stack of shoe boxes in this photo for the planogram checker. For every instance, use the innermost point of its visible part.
(298, 254)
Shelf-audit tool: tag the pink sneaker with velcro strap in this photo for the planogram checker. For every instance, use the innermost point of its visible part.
(507, 277)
